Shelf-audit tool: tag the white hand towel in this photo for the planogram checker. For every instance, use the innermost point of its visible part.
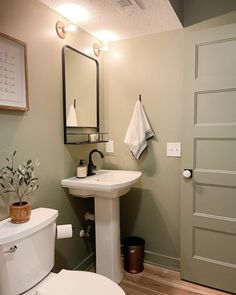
(138, 132)
(71, 118)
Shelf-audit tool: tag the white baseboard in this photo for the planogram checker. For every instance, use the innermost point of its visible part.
(162, 260)
(149, 257)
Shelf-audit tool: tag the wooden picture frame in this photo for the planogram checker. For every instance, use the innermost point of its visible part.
(13, 74)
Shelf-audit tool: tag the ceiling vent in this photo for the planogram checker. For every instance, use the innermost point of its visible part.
(131, 3)
(124, 3)
(140, 4)
(131, 7)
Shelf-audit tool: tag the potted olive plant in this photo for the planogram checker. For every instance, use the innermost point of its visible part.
(21, 181)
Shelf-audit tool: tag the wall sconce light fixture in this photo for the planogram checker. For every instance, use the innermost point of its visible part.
(62, 29)
(98, 48)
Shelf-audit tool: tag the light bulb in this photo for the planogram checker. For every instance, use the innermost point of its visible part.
(105, 47)
(70, 27)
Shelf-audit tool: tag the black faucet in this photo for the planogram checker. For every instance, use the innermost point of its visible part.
(91, 166)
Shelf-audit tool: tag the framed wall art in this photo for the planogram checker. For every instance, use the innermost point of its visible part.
(13, 74)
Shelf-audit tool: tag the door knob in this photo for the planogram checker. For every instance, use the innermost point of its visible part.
(187, 173)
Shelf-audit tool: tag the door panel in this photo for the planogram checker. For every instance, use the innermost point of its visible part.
(212, 239)
(206, 114)
(216, 58)
(215, 154)
(208, 200)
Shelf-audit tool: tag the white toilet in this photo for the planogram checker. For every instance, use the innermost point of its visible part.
(27, 258)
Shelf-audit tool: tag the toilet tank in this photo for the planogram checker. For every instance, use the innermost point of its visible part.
(26, 251)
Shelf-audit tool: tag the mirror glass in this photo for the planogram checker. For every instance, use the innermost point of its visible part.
(80, 73)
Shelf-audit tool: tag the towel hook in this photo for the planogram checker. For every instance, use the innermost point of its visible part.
(140, 97)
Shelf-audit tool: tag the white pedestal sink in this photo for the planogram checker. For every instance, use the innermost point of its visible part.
(106, 186)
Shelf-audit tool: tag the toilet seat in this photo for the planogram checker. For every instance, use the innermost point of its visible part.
(80, 282)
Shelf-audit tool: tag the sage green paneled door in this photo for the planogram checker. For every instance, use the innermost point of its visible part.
(208, 201)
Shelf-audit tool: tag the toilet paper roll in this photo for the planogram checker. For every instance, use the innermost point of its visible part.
(64, 231)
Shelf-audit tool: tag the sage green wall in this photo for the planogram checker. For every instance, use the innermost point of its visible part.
(152, 66)
(196, 11)
(39, 132)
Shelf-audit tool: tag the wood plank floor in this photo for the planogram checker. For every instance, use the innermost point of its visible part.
(160, 281)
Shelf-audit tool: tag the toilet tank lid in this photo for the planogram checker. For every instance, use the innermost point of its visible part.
(40, 218)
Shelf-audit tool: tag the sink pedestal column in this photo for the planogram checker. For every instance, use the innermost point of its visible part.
(107, 225)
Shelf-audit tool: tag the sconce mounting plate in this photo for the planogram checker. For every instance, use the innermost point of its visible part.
(60, 29)
(96, 49)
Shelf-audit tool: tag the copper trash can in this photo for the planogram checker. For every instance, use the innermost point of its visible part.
(133, 249)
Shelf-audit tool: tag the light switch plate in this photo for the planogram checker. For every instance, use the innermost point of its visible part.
(173, 149)
(109, 146)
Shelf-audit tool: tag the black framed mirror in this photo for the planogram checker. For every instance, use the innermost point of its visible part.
(80, 74)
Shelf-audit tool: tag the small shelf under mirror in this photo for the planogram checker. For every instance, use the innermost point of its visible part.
(85, 135)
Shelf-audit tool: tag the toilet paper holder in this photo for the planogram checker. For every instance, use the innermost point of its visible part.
(64, 231)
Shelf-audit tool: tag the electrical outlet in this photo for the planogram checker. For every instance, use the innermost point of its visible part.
(173, 149)
(109, 146)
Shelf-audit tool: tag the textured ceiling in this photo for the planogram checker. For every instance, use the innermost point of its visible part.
(125, 18)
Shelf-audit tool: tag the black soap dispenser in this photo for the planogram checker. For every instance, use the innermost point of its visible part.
(81, 170)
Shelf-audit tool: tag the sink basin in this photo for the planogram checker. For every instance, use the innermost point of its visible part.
(106, 186)
(105, 183)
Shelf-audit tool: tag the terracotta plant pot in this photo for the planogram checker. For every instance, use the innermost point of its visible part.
(20, 213)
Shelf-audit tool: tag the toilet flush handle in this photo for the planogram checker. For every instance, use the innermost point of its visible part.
(11, 249)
